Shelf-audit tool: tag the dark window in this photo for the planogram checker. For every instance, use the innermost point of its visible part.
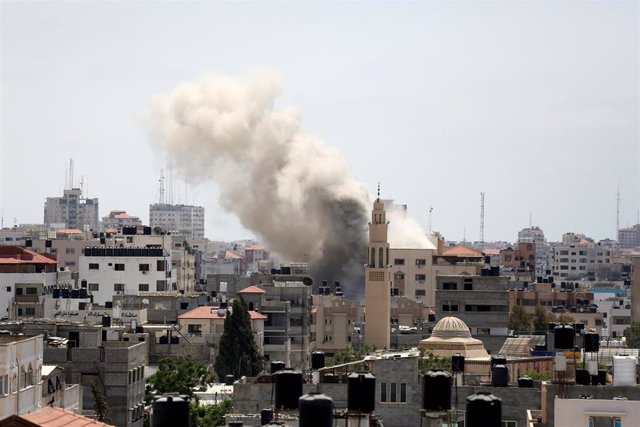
(403, 392)
(449, 307)
(118, 287)
(398, 261)
(449, 286)
(420, 262)
(18, 291)
(8, 288)
(32, 291)
(160, 265)
(94, 266)
(420, 292)
(160, 285)
(143, 287)
(393, 392)
(468, 286)
(30, 311)
(421, 277)
(143, 267)
(383, 392)
(119, 267)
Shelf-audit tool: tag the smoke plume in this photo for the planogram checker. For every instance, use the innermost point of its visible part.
(291, 189)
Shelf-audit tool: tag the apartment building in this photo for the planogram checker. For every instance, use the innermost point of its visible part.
(336, 322)
(629, 237)
(20, 374)
(106, 272)
(578, 257)
(482, 302)
(24, 275)
(72, 210)
(412, 273)
(119, 219)
(184, 220)
(206, 325)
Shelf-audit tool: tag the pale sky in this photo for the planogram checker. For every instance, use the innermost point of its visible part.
(534, 103)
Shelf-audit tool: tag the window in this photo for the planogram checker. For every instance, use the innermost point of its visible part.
(449, 307)
(373, 258)
(398, 276)
(421, 262)
(449, 286)
(119, 267)
(421, 277)
(509, 423)
(143, 287)
(160, 265)
(118, 287)
(383, 392)
(30, 311)
(468, 286)
(403, 392)
(393, 392)
(94, 287)
(194, 329)
(4, 384)
(8, 288)
(32, 291)
(398, 261)
(381, 258)
(420, 292)
(143, 267)
(160, 285)
(70, 251)
(94, 266)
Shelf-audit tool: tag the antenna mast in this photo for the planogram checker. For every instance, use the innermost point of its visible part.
(482, 220)
(430, 211)
(161, 181)
(618, 211)
(70, 173)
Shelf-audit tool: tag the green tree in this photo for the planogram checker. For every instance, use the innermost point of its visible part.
(103, 413)
(237, 352)
(178, 375)
(564, 319)
(210, 415)
(541, 319)
(429, 361)
(519, 320)
(632, 335)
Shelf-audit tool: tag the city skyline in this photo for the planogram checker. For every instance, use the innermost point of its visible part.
(534, 104)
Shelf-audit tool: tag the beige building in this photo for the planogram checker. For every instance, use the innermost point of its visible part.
(20, 374)
(119, 219)
(377, 281)
(206, 324)
(451, 335)
(336, 323)
(185, 220)
(72, 210)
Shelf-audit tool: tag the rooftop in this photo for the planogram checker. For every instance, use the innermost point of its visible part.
(18, 255)
(252, 290)
(58, 417)
(462, 251)
(209, 312)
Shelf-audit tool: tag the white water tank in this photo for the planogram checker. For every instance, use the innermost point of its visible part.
(624, 370)
(560, 362)
(592, 366)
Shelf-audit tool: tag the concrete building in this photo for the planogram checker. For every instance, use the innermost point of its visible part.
(635, 289)
(336, 322)
(106, 272)
(72, 210)
(377, 281)
(56, 392)
(20, 374)
(206, 325)
(481, 302)
(119, 219)
(629, 237)
(578, 256)
(523, 257)
(412, 273)
(24, 275)
(185, 220)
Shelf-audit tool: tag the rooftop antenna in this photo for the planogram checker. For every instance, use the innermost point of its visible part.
(2, 218)
(378, 192)
(464, 234)
(482, 220)
(161, 190)
(618, 211)
(81, 185)
(70, 173)
(530, 221)
(430, 211)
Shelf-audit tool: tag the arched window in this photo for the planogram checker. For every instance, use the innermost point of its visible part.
(381, 258)
(372, 261)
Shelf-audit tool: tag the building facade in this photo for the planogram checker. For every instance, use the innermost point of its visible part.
(119, 219)
(629, 237)
(72, 210)
(185, 220)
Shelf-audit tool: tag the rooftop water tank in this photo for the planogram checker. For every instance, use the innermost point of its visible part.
(563, 336)
(317, 360)
(436, 391)
(483, 410)
(500, 376)
(170, 411)
(276, 366)
(288, 388)
(499, 359)
(457, 363)
(525, 382)
(624, 370)
(361, 392)
(316, 410)
(591, 342)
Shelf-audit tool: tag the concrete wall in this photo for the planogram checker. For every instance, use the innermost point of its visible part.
(577, 412)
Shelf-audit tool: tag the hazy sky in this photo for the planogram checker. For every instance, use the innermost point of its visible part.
(534, 103)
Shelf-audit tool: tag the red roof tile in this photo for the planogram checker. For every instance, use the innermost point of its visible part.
(252, 290)
(209, 312)
(18, 255)
(58, 417)
(461, 251)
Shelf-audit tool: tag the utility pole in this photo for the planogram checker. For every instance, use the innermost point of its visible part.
(430, 211)
(161, 181)
(618, 211)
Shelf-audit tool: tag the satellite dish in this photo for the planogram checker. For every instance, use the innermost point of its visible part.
(308, 281)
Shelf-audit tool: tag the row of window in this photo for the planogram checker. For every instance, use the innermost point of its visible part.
(160, 266)
(389, 392)
(449, 307)
(420, 262)
(26, 379)
(142, 287)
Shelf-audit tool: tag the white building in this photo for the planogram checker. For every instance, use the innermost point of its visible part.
(24, 275)
(577, 258)
(595, 412)
(120, 219)
(186, 220)
(20, 374)
(629, 237)
(105, 272)
(72, 210)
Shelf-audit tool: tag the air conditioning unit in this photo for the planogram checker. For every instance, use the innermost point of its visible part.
(145, 272)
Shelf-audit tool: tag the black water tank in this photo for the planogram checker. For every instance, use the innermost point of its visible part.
(316, 410)
(583, 377)
(436, 391)
(87, 251)
(164, 339)
(65, 293)
(28, 243)
(525, 382)
(317, 360)
(552, 326)
(56, 293)
(106, 321)
(170, 411)
(361, 392)
(82, 293)
(266, 415)
(457, 363)
(175, 340)
(563, 336)
(500, 376)
(229, 379)
(483, 410)
(288, 388)
(276, 366)
(75, 293)
(591, 342)
(498, 359)
(47, 243)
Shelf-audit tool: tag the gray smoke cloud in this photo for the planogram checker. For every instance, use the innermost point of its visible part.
(290, 188)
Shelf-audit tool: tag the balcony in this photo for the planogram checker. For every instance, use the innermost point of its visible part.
(27, 298)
